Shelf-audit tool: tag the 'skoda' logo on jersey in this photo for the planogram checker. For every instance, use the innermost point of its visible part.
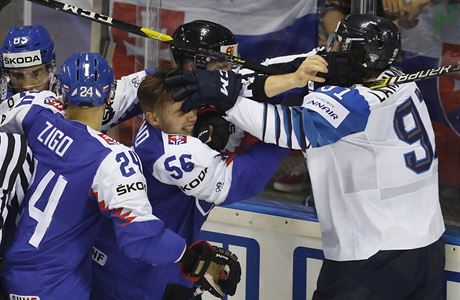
(176, 139)
(130, 187)
(195, 182)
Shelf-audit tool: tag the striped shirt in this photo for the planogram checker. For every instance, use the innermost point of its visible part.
(16, 168)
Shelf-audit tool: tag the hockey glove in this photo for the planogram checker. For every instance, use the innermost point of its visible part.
(211, 128)
(213, 269)
(200, 87)
(342, 70)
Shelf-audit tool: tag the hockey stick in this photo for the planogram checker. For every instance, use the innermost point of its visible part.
(205, 54)
(424, 74)
(100, 18)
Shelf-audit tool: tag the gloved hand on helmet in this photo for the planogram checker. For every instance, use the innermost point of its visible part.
(342, 70)
(200, 87)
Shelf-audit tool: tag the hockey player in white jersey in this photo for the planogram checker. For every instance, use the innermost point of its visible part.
(80, 174)
(372, 162)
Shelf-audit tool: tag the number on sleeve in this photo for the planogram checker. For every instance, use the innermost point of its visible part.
(412, 135)
(186, 165)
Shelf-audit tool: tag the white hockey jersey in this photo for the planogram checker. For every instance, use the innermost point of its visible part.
(124, 103)
(372, 163)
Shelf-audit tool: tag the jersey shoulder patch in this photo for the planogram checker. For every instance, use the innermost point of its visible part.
(106, 140)
(186, 144)
(328, 105)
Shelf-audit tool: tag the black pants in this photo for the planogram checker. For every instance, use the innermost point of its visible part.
(416, 274)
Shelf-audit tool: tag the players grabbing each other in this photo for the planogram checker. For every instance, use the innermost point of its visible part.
(216, 39)
(185, 178)
(373, 167)
(81, 175)
(28, 58)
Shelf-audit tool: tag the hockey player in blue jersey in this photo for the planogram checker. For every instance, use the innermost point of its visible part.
(28, 58)
(81, 175)
(188, 176)
(372, 163)
(185, 179)
(29, 63)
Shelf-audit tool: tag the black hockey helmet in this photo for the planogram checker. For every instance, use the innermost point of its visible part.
(202, 34)
(372, 42)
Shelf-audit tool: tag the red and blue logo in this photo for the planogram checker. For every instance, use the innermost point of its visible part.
(176, 139)
(54, 102)
(108, 139)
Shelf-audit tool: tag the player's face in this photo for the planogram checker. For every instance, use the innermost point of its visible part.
(173, 121)
(31, 78)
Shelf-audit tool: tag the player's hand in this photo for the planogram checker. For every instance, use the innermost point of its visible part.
(4, 3)
(308, 71)
(200, 87)
(211, 128)
(393, 8)
(409, 16)
(213, 269)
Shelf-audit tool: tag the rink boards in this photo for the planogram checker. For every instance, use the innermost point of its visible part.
(279, 247)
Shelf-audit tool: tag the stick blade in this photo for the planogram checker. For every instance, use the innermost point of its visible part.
(162, 37)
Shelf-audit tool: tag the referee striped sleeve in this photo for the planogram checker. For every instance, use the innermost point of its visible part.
(23, 181)
(13, 153)
(13, 162)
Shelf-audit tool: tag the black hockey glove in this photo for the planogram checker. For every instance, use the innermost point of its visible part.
(4, 3)
(211, 128)
(342, 71)
(213, 269)
(200, 87)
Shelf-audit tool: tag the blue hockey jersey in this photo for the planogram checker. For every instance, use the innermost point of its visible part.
(79, 174)
(185, 178)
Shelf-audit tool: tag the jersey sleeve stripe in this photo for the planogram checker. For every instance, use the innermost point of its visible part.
(288, 125)
(277, 126)
(297, 124)
(264, 121)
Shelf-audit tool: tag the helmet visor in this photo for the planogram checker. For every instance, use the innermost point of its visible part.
(31, 78)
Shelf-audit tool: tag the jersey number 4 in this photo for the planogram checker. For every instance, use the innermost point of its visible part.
(44, 217)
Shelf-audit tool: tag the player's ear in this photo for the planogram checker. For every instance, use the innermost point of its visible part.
(152, 119)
